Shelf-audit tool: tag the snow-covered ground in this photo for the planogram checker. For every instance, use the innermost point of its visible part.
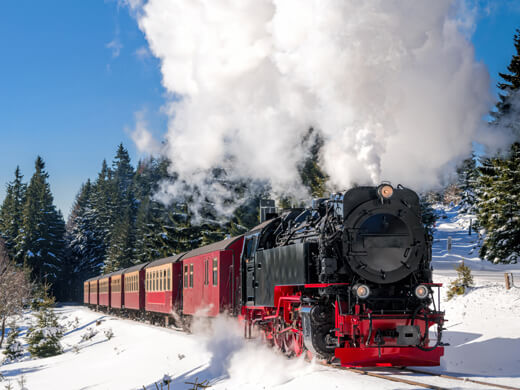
(483, 332)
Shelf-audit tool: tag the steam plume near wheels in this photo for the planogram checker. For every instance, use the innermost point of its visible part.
(392, 87)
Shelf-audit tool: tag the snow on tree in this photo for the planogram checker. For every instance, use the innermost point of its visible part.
(498, 189)
(43, 337)
(467, 179)
(428, 216)
(14, 348)
(85, 248)
(41, 241)
(11, 213)
(120, 253)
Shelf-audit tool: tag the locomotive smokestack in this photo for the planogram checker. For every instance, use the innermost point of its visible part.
(267, 210)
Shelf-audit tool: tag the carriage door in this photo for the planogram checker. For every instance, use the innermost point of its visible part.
(248, 269)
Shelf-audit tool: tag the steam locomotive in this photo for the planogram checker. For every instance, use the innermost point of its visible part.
(347, 279)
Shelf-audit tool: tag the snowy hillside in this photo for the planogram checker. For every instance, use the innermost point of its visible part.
(483, 332)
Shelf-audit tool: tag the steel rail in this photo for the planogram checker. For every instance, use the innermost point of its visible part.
(463, 379)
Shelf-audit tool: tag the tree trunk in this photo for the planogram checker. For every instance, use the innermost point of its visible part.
(2, 331)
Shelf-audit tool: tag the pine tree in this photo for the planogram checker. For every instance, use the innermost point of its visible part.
(499, 209)
(41, 240)
(121, 249)
(463, 282)
(311, 174)
(11, 217)
(14, 349)
(102, 206)
(499, 182)
(428, 216)
(85, 250)
(467, 180)
(44, 336)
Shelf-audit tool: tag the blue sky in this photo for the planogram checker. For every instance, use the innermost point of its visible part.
(73, 73)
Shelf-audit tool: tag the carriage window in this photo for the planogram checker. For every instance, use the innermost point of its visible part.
(169, 279)
(215, 271)
(185, 276)
(191, 275)
(206, 272)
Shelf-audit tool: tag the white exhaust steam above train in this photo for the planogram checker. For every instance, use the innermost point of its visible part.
(392, 87)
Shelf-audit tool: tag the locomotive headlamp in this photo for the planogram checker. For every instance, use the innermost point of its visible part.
(362, 291)
(385, 191)
(421, 291)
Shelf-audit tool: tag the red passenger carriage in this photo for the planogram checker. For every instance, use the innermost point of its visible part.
(116, 290)
(86, 292)
(104, 291)
(211, 276)
(133, 278)
(163, 285)
(93, 291)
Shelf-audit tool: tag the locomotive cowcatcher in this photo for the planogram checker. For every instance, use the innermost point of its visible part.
(348, 279)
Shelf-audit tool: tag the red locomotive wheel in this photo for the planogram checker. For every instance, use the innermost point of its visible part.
(293, 344)
(279, 338)
(269, 341)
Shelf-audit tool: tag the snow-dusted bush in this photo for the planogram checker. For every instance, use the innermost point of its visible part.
(109, 333)
(167, 379)
(14, 349)
(44, 337)
(90, 333)
(464, 280)
(21, 383)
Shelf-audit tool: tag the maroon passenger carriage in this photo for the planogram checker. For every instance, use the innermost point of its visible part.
(117, 300)
(163, 286)
(86, 292)
(93, 291)
(211, 277)
(104, 291)
(133, 279)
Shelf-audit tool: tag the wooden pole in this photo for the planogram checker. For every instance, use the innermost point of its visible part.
(508, 284)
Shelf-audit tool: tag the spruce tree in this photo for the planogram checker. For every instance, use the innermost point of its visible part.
(121, 249)
(44, 336)
(85, 249)
(311, 174)
(41, 240)
(428, 217)
(11, 214)
(102, 205)
(467, 180)
(14, 349)
(499, 182)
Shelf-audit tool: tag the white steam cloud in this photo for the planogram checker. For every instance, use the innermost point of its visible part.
(392, 87)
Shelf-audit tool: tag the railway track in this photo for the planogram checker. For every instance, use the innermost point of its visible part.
(396, 375)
